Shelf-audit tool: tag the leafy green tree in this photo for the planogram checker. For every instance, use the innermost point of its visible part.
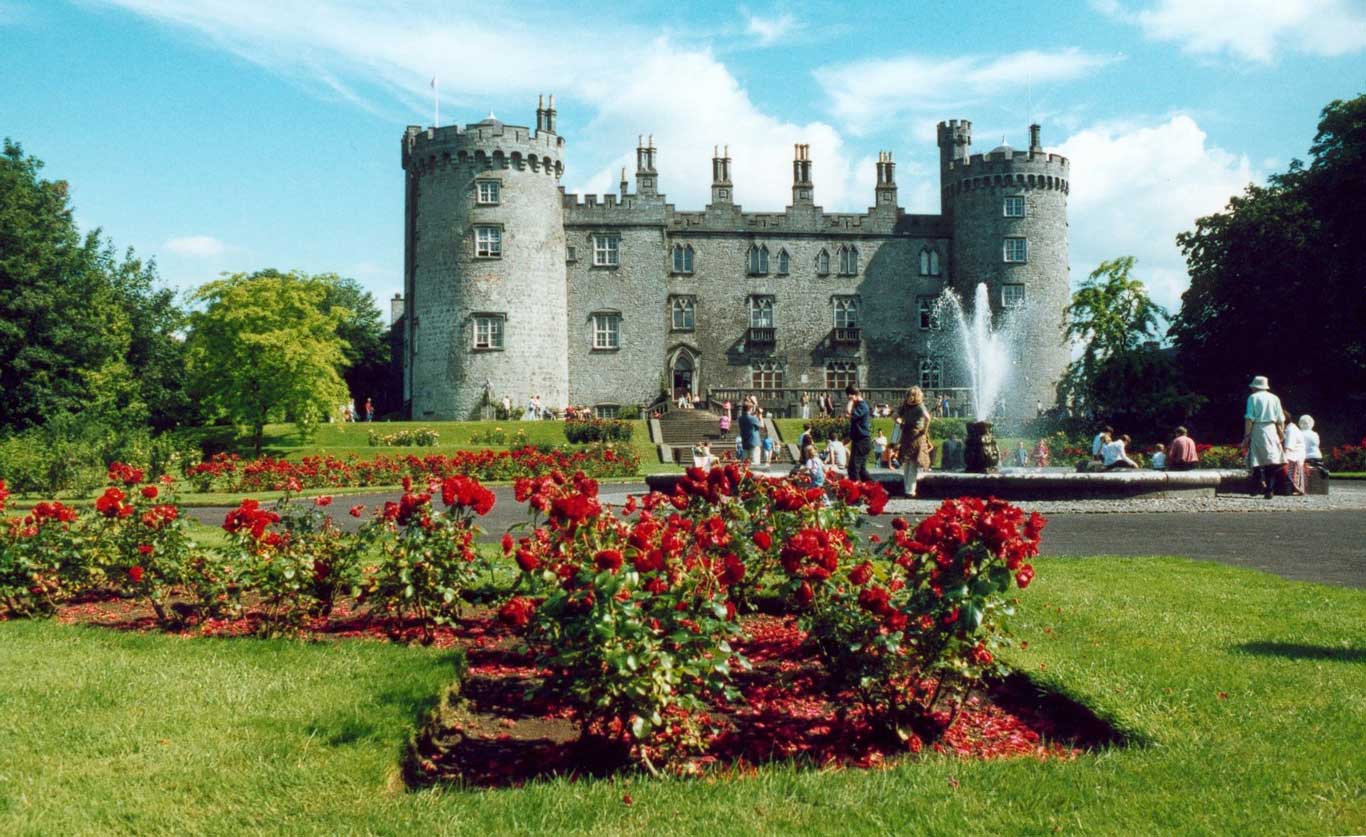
(1111, 316)
(81, 329)
(264, 348)
(1276, 285)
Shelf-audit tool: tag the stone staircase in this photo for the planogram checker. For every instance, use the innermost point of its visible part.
(679, 430)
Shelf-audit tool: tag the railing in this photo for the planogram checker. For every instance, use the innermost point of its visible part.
(849, 336)
(786, 402)
(762, 335)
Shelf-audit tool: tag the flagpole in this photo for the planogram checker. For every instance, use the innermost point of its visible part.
(436, 102)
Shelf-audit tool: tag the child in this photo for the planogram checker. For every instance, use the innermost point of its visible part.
(880, 447)
(1160, 457)
(766, 444)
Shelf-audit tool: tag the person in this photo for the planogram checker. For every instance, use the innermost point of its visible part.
(860, 435)
(369, 410)
(1159, 460)
(701, 455)
(1183, 455)
(806, 405)
(1293, 445)
(837, 456)
(749, 434)
(952, 458)
(1041, 454)
(814, 468)
(1114, 454)
(808, 437)
(1102, 438)
(945, 405)
(1022, 455)
(915, 448)
(725, 422)
(1313, 454)
(1263, 425)
(530, 412)
(880, 447)
(346, 413)
(739, 448)
(766, 444)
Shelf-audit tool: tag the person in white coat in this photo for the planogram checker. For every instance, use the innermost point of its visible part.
(1263, 426)
(1313, 454)
(1293, 445)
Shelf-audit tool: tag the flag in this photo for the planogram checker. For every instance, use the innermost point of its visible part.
(433, 82)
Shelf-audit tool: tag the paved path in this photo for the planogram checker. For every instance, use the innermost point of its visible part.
(1292, 541)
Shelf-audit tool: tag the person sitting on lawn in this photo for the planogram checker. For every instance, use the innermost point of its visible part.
(837, 456)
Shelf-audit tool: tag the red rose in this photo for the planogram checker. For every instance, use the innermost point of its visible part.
(507, 543)
(1024, 576)
(896, 620)
(763, 539)
(860, 574)
(805, 594)
(110, 502)
(900, 524)
(980, 655)
(149, 491)
(357, 510)
(527, 560)
(135, 573)
(145, 549)
(517, 612)
(608, 560)
(323, 501)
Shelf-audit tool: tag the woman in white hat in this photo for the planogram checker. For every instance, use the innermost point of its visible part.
(1263, 425)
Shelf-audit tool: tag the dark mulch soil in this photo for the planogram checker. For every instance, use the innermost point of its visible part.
(490, 732)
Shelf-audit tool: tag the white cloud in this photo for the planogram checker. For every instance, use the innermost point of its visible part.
(767, 31)
(196, 246)
(866, 94)
(1255, 30)
(1135, 185)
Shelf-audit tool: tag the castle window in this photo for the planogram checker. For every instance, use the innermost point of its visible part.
(571, 253)
(606, 331)
(488, 242)
(758, 260)
(1013, 296)
(488, 192)
(784, 262)
(606, 250)
(683, 311)
(823, 263)
(929, 262)
(931, 373)
(1016, 249)
(846, 312)
(488, 331)
(928, 309)
(1014, 206)
(841, 374)
(607, 411)
(682, 255)
(761, 312)
(766, 375)
(848, 260)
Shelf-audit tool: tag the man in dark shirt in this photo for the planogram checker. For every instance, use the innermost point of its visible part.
(860, 435)
(749, 434)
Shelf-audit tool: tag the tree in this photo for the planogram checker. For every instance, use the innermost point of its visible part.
(264, 349)
(81, 330)
(1276, 285)
(1111, 316)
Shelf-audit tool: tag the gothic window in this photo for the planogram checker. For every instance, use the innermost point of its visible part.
(846, 312)
(488, 242)
(931, 373)
(1014, 206)
(841, 374)
(929, 262)
(682, 255)
(488, 192)
(606, 250)
(1012, 296)
(607, 331)
(488, 331)
(761, 312)
(848, 263)
(1016, 250)
(927, 307)
(784, 262)
(758, 260)
(683, 310)
(823, 263)
(606, 411)
(766, 375)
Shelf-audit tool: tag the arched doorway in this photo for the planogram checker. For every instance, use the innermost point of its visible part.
(683, 373)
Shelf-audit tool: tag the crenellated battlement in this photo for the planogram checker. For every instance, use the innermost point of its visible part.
(482, 145)
(1010, 162)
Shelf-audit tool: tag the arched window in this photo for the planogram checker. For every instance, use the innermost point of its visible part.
(683, 258)
(684, 313)
(929, 262)
(823, 263)
(784, 262)
(758, 260)
(848, 260)
(761, 312)
(931, 373)
(846, 312)
(766, 375)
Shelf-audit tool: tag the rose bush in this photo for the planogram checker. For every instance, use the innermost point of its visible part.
(40, 554)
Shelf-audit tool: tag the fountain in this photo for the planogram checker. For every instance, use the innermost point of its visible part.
(985, 352)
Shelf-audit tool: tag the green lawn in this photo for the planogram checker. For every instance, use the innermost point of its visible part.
(1248, 691)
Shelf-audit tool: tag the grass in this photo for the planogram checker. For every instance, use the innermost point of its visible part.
(1246, 688)
(1349, 475)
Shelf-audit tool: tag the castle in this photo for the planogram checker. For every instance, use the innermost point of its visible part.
(513, 287)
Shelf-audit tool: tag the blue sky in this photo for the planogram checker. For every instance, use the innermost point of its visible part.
(223, 135)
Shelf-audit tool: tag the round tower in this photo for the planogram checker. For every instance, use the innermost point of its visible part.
(1009, 216)
(486, 305)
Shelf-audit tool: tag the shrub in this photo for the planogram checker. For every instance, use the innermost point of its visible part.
(581, 431)
(422, 437)
(39, 554)
(499, 436)
(1347, 457)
